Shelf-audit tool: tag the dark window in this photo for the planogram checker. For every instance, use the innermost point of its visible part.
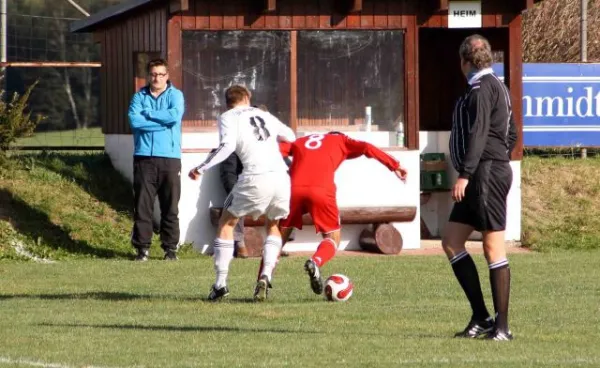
(213, 61)
(340, 73)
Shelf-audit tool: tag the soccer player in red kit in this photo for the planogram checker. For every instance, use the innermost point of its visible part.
(316, 158)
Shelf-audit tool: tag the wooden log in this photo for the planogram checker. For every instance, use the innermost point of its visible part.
(350, 215)
(254, 241)
(434, 166)
(384, 238)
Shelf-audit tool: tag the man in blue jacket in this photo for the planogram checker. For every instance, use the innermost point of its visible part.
(155, 114)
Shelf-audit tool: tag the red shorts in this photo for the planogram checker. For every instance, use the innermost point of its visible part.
(320, 203)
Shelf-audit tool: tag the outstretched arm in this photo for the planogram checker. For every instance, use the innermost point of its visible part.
(228, 135)
(356, 149)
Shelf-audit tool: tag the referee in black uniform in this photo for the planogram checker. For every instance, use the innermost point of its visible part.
(482, 138)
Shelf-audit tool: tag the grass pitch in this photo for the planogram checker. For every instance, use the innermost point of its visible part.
(94, 308)
(404, 311)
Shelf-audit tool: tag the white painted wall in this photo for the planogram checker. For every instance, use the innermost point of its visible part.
(360, 182)
(435, 212)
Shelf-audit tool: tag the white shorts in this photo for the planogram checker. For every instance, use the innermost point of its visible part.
(264, 194)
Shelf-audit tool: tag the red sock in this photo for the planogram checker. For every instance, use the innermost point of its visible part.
(260, 269)
(324, 253)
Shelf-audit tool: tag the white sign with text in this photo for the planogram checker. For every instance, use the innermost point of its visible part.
(464, 14)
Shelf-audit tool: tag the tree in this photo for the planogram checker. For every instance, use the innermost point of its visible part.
(15, 121)
(39, 31)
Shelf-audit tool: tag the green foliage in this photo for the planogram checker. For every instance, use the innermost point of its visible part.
(67, 205)
(561, 203)
(15, 121)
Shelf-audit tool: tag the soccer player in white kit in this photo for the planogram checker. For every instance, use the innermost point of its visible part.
(263, 187)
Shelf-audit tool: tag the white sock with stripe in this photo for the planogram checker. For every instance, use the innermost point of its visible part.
(458, 257)
(498, 264)
(223, 254)
(271, 252)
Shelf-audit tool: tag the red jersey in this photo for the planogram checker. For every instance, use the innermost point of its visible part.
(316, 157)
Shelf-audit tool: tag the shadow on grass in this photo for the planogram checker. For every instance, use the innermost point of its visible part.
(94, 173)
(98, 295)
(120, 296)
(182, 328)
(35, 224)
(167, 328)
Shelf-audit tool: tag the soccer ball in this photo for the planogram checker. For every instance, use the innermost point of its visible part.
(338, 288)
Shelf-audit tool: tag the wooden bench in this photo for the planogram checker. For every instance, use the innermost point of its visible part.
(379, 237)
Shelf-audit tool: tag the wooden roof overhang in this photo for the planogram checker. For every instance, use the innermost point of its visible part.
(114, 12)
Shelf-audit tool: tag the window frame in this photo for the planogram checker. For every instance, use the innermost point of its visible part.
(293, 116)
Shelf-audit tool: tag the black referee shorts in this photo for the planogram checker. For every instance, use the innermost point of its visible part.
(484, 204)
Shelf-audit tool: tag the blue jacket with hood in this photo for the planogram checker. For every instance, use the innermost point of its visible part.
(156, 122)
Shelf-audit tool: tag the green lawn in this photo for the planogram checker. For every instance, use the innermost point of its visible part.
(95, 308)
(404, 311)
(91, 137)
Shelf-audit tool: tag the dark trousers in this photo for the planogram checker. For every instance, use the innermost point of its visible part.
(154, 176)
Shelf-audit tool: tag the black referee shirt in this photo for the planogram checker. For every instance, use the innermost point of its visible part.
(482, 124)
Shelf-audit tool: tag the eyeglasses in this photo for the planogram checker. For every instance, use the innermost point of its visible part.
(156, 75)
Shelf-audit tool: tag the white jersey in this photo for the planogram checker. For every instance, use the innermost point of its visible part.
(253, 135)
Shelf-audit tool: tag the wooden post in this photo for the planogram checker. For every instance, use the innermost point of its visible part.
(411, 78)
(253, 240)
(294, 81)
(514, 66)
(174, 54)
(270, 5)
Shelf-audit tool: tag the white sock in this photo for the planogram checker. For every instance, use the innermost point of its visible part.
(223, 254)
(270, 255)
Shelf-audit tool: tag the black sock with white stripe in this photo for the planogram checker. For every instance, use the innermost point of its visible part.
(468, 278)
(500, 281)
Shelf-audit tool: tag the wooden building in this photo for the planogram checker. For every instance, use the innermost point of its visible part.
(316, 64)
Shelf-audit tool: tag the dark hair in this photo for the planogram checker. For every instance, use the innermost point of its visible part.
(236, 94)
(156, 62)
(476, 50)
